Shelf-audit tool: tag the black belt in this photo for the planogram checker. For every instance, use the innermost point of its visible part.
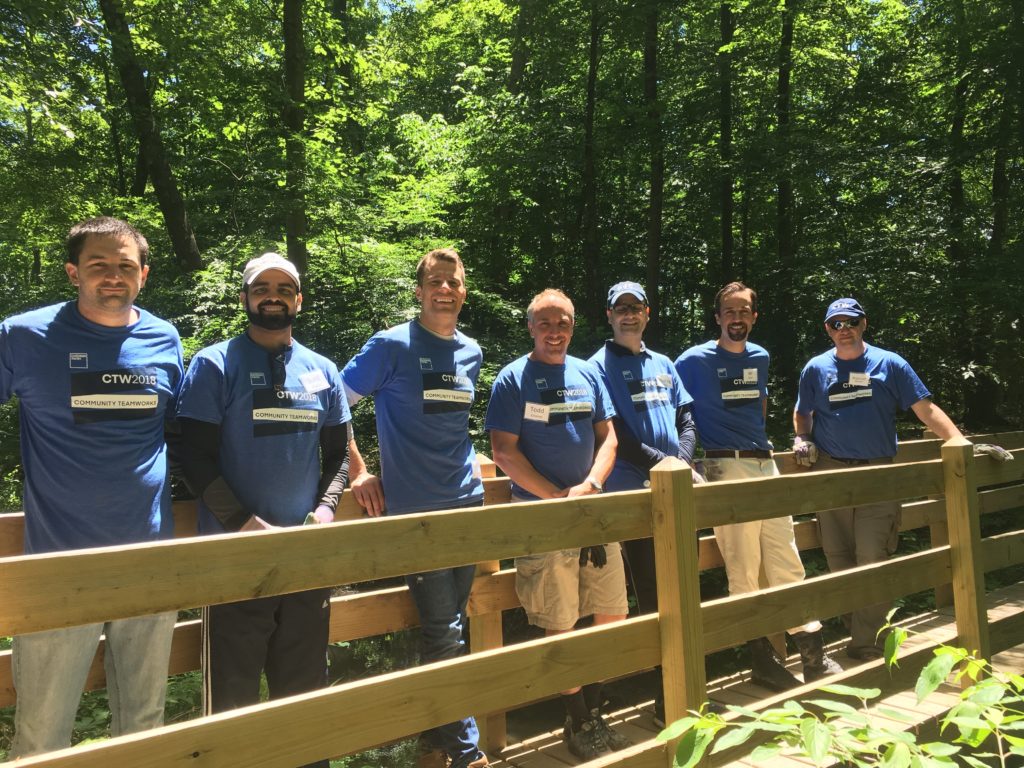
(850, 462)
(737, 454)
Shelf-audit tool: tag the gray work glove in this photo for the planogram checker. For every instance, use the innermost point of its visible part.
(997, 452)
(804, 451)
(595, 554)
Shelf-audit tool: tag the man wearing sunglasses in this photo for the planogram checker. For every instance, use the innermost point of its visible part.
(845, 416)
(266, 431)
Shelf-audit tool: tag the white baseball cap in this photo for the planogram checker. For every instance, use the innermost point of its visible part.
(261, 264)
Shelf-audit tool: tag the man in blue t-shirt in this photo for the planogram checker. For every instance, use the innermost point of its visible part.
(95, 379)
(266, 435)
(728, 380)
(550, 419)
(422, 376)
(845, 416)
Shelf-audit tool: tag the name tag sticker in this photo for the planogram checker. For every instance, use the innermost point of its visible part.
(859, 380)
(536, 412)
(664, 380)
(314, 381)
(750, 375)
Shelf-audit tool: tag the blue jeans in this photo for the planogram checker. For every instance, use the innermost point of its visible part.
(50, 670)
(440, 598)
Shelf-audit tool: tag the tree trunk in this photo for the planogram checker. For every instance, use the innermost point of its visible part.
(110, 112)
(295, 147)
(727, 28)
(956, 248)
(591, 247)
(520, 47)
(657, 149)
(172, 204)
(785, 283)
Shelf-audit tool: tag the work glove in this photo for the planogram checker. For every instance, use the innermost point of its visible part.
(805, 452)
(997, 452)
(596, 555)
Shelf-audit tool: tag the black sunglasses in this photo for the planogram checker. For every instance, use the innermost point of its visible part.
(838, 325)
(277, 370)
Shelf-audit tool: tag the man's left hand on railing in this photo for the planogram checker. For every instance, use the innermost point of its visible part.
(997, 452)
(369, 493)
(804, 451)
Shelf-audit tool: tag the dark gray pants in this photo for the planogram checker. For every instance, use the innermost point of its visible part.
(855, 536)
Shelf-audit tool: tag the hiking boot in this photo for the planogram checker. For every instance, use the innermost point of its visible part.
(480, 761)
(768, 670)
(817, 663)
(865, 652)
(612, 738)
(588, 742)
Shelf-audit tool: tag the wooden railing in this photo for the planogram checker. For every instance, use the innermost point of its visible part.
(41, 592)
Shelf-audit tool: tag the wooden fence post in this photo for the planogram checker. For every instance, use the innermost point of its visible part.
(485, 633)
(962, 513)
(679, 612)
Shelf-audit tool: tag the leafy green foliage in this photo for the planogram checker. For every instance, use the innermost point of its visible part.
(981, 728)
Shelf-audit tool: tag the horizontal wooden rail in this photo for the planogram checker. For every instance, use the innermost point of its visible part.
(355, 716)
(736, 619)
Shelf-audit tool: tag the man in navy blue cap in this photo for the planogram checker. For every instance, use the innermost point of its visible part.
(846, 416)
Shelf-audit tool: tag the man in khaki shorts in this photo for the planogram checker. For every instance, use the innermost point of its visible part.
(550, 419)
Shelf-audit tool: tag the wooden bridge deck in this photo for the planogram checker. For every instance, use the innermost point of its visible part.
(548, 750)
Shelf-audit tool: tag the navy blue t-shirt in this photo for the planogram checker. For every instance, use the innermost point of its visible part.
(646, 391)
(423, 386)
(553, 409)
(93, 400)
(728, 389)
(270, 436)
(854, 402)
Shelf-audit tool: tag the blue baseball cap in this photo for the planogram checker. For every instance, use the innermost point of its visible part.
(619, 290)
(847, 307)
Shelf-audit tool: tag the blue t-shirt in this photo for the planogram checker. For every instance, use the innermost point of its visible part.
(728, 389)
(270, 437)
(93, 401)
(423, 387)
(646, 392)
(553, 409)
(854, 402)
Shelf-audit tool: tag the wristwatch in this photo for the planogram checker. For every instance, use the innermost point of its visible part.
(595, 485)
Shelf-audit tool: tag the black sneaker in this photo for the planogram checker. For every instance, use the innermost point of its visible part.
(612, 738)
(588, 742)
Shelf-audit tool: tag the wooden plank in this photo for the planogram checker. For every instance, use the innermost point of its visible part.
(675, 560)
(739, 501)
(733, 620)
(968, 574)
(999, 499)
(485, 633)
(1002, 550)
(176, 574)
(373, 710)
(918, 514)
(989, 471)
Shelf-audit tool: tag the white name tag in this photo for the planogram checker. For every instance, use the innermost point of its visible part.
(313, 381)
(536, 412)
(750, 375)
(859, 380)
(664, 380)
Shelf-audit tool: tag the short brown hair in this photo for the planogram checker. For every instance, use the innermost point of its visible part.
(549, 293)
(449, 255)
(729, 290)
(103, 226)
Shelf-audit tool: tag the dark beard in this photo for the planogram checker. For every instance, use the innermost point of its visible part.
(270, 322)
(737, 335)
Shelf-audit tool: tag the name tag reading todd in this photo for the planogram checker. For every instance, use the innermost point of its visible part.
(537, 412)
(859, 380)
(750, 375)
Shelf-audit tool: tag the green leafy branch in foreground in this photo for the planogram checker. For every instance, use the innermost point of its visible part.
(986, 725)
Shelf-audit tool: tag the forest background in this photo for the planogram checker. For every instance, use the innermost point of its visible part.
(812, 148)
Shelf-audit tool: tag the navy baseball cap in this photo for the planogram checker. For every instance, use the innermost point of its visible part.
(619, 290)
(847, 307)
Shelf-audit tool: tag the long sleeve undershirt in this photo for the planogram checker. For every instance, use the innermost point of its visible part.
(644, 456)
